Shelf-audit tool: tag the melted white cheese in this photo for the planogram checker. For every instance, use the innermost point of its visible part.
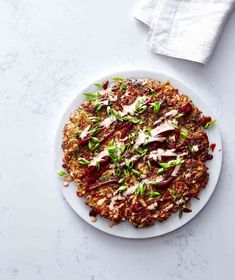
(159, 120)
(167, 114)
(153, 206)
(171, 113)
(113, 98)
(168, 207)
(158, 179)
(98, 158)
(85, 132)
(130, 109)
(104, 102)
(130, 190)
(176, 170)
(101, 201)
(144, 138)
(114, 200)
(157, 155)
(166, 126)
(108, 121)
(195, 148)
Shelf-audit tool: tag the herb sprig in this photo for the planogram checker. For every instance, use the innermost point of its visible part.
(171, 163)
(210, 124)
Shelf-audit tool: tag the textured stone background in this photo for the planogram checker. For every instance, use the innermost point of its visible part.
(47, 49)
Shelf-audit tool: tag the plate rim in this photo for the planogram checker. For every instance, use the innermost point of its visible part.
(128, 72)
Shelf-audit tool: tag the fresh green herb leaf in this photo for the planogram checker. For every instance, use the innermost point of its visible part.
(94, 129)
(112, 112)
(174, 123)
(171, 163)
(126, 173)
(109, 110)
(122, 189)
(121, 180)
(133, 136)
(156, 106)
(83, 161)
(140, 107)
(149, 164)
(140, 189)
(97, 105)
(136, 172)
(141, 110)
(160, 171)
(131, 119)
(99, 85)
(95, 140)
(210, 124)
(122, 147)
(112, 151)
(122, 86)
(94, 119)
(179, 116)
(181, 213)
(152, 194)
(174, 194)
(148, 131)
(153, 92)
(63, 173)
(97, 165)
(118, 171)
(92, 96)
(129, 164)
(183, 133)
(154, 183)
(193, 148)
(117, 79)
(90, 145)
(141, 151)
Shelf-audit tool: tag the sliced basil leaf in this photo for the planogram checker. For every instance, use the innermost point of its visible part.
(122, 189)
(140, 189)
(63, 173)
(156, 106)
(171, 163)
(136, 172)
(92, 96)
(122, 86)
(99, 85)
(210, 124)
(154, 193)
(83, 161)
(117, 79)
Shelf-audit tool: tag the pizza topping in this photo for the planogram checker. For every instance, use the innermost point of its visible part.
(136, 150)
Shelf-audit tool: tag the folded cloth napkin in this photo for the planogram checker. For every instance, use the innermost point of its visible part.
(187, 29)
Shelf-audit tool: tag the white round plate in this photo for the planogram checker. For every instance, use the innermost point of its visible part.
(124, 229)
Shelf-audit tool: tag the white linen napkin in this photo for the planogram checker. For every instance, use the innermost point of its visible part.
(187, 29)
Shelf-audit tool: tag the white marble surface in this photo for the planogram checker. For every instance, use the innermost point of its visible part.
(49, 47)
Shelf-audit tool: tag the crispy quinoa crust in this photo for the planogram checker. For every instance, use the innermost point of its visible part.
(130, 181)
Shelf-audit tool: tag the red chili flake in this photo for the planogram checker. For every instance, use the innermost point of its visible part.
(165, 183)
(205, 120)
(105, 84)
(212, 146)
(126, 129)
(93, 187)
(84, 141)
(186, 109)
